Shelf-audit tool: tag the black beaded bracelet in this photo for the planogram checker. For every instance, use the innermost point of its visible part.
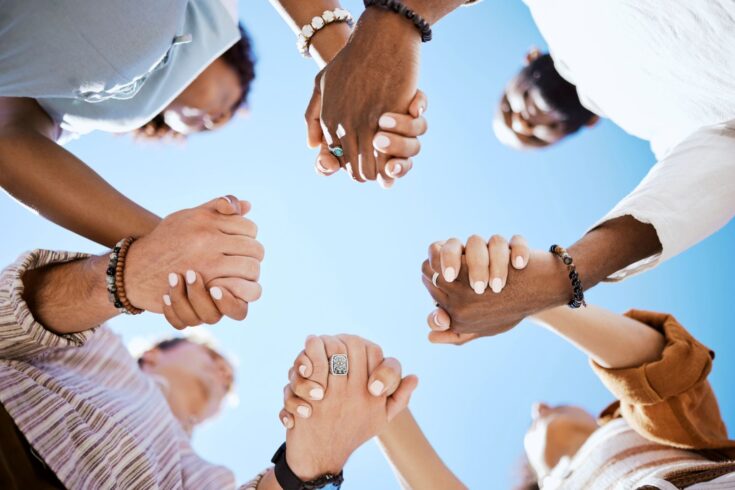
(578, 292)
(397, 7)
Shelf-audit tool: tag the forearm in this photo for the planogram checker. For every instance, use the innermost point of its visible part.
(612, 340)
(269, 482)
(327, 42)
(611, 247)
(414, 460)
(69, 297)
(44, 176)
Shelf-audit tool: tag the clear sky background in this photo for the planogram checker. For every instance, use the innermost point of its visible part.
(344, 257)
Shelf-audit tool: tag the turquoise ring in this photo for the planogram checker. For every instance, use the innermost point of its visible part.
(336, 151)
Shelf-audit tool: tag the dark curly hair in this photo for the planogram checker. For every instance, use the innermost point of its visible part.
(560, 95)
(240, 57)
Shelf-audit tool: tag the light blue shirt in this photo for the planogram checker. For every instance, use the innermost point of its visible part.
(105, 64)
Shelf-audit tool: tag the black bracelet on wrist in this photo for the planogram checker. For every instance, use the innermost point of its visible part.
(578, 292)
(288, 480)
(397, 7)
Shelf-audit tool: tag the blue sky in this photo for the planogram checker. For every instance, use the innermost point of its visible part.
(344, 257)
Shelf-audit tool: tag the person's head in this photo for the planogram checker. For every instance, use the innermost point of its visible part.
(194, 377)
(212, 99)
(555, 432)
(539, 108)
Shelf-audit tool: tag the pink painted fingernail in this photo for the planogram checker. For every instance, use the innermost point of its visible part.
(387, 122)
(316, 394)
(216, 293)
(191, 277)
(497, 285)
(173, 279)
(167, 300)
(381, 141)
(479, 287)
(519, 262)
(396, 171)
(303, 411)
(450, 274)
(376, 387)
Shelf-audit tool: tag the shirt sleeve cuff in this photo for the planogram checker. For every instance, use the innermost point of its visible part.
(20, 334)
(253, 484)
(684, 363)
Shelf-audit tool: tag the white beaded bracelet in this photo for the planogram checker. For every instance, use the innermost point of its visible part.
(303, 40)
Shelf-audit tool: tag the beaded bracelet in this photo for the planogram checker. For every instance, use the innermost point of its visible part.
(578, 292)
(397, 7)
(116, 278)
(303, 40)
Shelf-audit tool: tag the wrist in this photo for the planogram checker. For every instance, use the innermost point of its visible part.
(309, 466)
(328, 42)
(389, 27)
(137, 277)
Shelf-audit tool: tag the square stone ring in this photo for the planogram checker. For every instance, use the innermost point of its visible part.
(339, 365)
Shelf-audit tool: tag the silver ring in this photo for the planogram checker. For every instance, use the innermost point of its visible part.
(434, 278)
(339, 365)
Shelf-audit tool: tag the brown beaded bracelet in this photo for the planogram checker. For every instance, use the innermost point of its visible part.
(578, 292)
(116, 278)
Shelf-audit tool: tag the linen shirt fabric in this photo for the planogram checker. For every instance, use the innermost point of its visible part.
(84, 405)
(108, 65)
(665, 430)
(662, 71)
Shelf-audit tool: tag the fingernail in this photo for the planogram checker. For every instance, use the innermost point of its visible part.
(302, 370)
(440, 323)
(303, 411)
(191, 277)
(173, 279)
(316, 394)
(396, 171)
(227, 198)
(387, 122)
(321, 167)
(519, 262)
(167, 299)
(376, 388)
(479, 287)
(449, 274)
(286, 422)
(421, 110)
(216, 293)
(381, 141)
(497, 285)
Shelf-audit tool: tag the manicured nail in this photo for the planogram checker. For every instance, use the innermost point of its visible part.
(381, 141)
(302, 370)
(519, 262)
(387, 122)
(287, 422)
(396, 171)
(303, 411)
(228, 199)
(321, 167)
(316, 394)
(479, 287)
(173, 279)
(167, 300)
(421, 110)
(376, 387)
(216, 293)
(450, 274)
(191, 277)
(440, 322)
(497, 285)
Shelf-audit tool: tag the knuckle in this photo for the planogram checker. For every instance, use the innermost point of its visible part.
(496, 240)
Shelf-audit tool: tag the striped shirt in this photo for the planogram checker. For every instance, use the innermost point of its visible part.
(85, 407)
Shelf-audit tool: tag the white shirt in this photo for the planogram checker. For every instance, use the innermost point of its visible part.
(664, 71)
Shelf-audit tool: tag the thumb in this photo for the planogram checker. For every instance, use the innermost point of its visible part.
(228, 205)
(313, 123)
(398, 402)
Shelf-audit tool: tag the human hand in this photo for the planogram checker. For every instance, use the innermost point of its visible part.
(399, 131)
(375, 73)
(467, 312)
(212, 239)
(342, 412)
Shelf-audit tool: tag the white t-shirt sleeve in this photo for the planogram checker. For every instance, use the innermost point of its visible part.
(687, 196)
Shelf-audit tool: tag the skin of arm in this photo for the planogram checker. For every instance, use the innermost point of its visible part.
(328, 41)
(414, 460)
(614, 341)
(44, 176)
